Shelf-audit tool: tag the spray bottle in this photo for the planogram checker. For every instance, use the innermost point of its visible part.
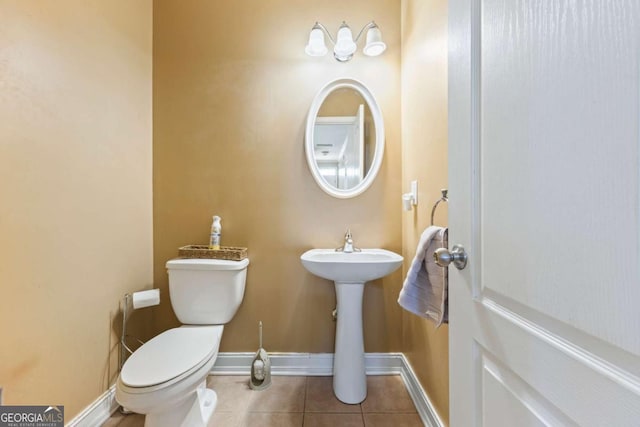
(216, 230)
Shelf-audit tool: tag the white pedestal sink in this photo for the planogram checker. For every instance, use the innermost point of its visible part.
(350, 272)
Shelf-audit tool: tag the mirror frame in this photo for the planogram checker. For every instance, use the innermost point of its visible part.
(378, 123)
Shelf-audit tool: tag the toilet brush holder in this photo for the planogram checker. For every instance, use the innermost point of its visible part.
(260, 367)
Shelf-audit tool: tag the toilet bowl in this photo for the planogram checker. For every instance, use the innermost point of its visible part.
(165, 379)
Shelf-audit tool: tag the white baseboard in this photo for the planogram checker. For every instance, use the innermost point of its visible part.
(98, 412)
(307, 364)
(424, 406)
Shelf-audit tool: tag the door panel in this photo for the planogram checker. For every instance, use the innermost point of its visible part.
(555, 113)
(507, 397)
(544, 184)
(585, 389)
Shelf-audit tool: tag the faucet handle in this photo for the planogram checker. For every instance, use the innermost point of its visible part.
(348, 243)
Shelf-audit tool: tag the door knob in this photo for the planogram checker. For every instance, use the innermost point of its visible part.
(457, 255)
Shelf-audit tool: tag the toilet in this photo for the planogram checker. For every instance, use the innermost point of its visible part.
(165, 378)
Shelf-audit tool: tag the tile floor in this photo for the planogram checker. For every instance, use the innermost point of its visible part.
(301, 401)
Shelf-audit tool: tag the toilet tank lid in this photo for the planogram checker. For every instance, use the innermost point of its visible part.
(206, 264)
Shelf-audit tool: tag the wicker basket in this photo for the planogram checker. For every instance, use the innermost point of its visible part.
(202, 251)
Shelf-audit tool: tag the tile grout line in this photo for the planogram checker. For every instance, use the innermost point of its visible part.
(306, 393)
(362, 410)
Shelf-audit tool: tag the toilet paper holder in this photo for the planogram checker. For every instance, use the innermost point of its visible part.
(132, 302)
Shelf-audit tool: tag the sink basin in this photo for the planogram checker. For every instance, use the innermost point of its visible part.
(350, 272)
(354, 267)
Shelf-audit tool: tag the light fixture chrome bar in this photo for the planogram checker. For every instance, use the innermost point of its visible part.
(371, 24)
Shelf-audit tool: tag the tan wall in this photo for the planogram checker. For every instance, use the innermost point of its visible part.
(424, 157)
(342, 102)
(232, 86)
(75, 181)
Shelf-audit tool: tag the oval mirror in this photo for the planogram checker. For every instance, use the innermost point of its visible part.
(344, 138)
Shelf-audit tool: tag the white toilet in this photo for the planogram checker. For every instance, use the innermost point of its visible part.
(166, 377)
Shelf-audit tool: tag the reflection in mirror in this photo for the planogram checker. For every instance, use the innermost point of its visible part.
(339, 149)
(342, 144)
(342, 139)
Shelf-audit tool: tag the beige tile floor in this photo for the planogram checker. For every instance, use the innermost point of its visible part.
(302, 401)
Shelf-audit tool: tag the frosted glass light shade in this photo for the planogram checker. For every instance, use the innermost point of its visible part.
(345, 46)
(316, 45)
(375, 46)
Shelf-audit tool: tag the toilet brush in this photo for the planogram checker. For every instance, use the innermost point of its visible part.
(260, 367)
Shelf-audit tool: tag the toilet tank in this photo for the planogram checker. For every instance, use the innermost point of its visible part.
(206, 291)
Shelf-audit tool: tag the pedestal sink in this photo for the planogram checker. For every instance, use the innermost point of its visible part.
(350, 272)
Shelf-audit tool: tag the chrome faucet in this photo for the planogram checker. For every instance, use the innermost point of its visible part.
(348, 244)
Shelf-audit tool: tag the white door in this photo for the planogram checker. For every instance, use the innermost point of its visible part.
(359, 143)
(354, 150)
(544, 195)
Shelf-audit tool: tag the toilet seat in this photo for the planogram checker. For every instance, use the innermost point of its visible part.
(170, 357)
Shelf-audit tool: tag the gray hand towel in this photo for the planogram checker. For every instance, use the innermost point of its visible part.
(424, 291)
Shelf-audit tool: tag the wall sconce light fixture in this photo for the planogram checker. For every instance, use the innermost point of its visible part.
(344, 46)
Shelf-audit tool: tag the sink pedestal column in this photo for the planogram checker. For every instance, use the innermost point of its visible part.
(349, 377)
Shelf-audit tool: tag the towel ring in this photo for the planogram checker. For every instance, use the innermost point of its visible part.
(444, 198)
